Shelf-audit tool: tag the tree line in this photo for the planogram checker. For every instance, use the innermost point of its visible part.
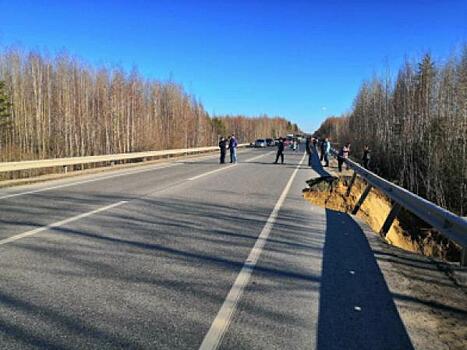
(59, 106)
(416, 128)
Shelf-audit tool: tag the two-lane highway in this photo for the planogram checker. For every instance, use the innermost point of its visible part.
(195, 255)
(135, 259)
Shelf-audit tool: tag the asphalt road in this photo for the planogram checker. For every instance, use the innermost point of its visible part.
(185, 255)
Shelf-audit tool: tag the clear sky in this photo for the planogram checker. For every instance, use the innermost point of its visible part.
(299, 59)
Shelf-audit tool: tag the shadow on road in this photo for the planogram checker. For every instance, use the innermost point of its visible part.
(316, 165)
(356, 309)
(114, 255)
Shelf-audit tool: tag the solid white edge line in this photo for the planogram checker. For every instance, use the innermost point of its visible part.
(221, 323)
(59, 223)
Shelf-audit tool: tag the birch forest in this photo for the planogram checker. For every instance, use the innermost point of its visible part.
(416, 128)
(59, 106)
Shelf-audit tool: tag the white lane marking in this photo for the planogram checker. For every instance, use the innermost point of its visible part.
(157, 167)
(211, 172)
(224, 168)
(220, 324)
(59, 223)
(87, 181)
(257, 157)
(195, 159)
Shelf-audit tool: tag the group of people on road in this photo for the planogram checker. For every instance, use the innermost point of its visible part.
(311, 144)
(325, 152)
(230, 143)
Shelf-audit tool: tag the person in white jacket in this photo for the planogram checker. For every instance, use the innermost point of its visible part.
(327, 151)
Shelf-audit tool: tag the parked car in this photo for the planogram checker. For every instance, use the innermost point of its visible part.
(270, 142)
(260, 143)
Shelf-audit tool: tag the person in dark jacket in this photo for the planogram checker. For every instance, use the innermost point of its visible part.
(280, 151)
(323, 149)
(223, 149)
(366, 157)
(308, 149)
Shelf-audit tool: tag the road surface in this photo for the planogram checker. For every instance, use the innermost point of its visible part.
(190, 254)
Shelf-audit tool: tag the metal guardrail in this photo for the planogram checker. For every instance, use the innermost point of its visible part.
(448, 224)
(63, 162)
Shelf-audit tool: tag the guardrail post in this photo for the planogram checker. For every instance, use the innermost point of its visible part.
(390, 219)
(463, 257)
(352, 180)
(362, 199)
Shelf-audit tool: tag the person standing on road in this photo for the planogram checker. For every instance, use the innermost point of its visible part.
(366, 157)
(346, 154)
(233, 149)
(223, 149)
(342, 155)
(294, 145)
(325, 151)
(308, 149)
(280, 151)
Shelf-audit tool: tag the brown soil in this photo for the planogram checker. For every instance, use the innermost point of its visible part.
(405, 231)
(374, 210)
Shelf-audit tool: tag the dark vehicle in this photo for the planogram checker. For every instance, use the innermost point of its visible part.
(270, 142)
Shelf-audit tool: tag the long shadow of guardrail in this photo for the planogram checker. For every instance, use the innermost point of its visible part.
(316, 165)
(356, 310)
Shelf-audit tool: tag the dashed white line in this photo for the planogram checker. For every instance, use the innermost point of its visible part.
(220, 324)
(157, 167)
(87, 181)
(211, 172)
(78, 217)
(257, 157)
(224, 168)
(59, 223)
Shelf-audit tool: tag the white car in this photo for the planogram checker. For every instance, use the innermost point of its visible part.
(260, 143)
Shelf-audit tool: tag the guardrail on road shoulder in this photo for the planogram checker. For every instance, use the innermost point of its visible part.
(63, 162)
(448, 224)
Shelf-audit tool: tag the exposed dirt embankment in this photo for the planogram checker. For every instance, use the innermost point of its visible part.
(407, 232)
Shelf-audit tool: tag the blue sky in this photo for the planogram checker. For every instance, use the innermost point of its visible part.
(302, 60)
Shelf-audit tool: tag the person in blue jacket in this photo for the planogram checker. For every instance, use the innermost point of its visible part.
(233, 149)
